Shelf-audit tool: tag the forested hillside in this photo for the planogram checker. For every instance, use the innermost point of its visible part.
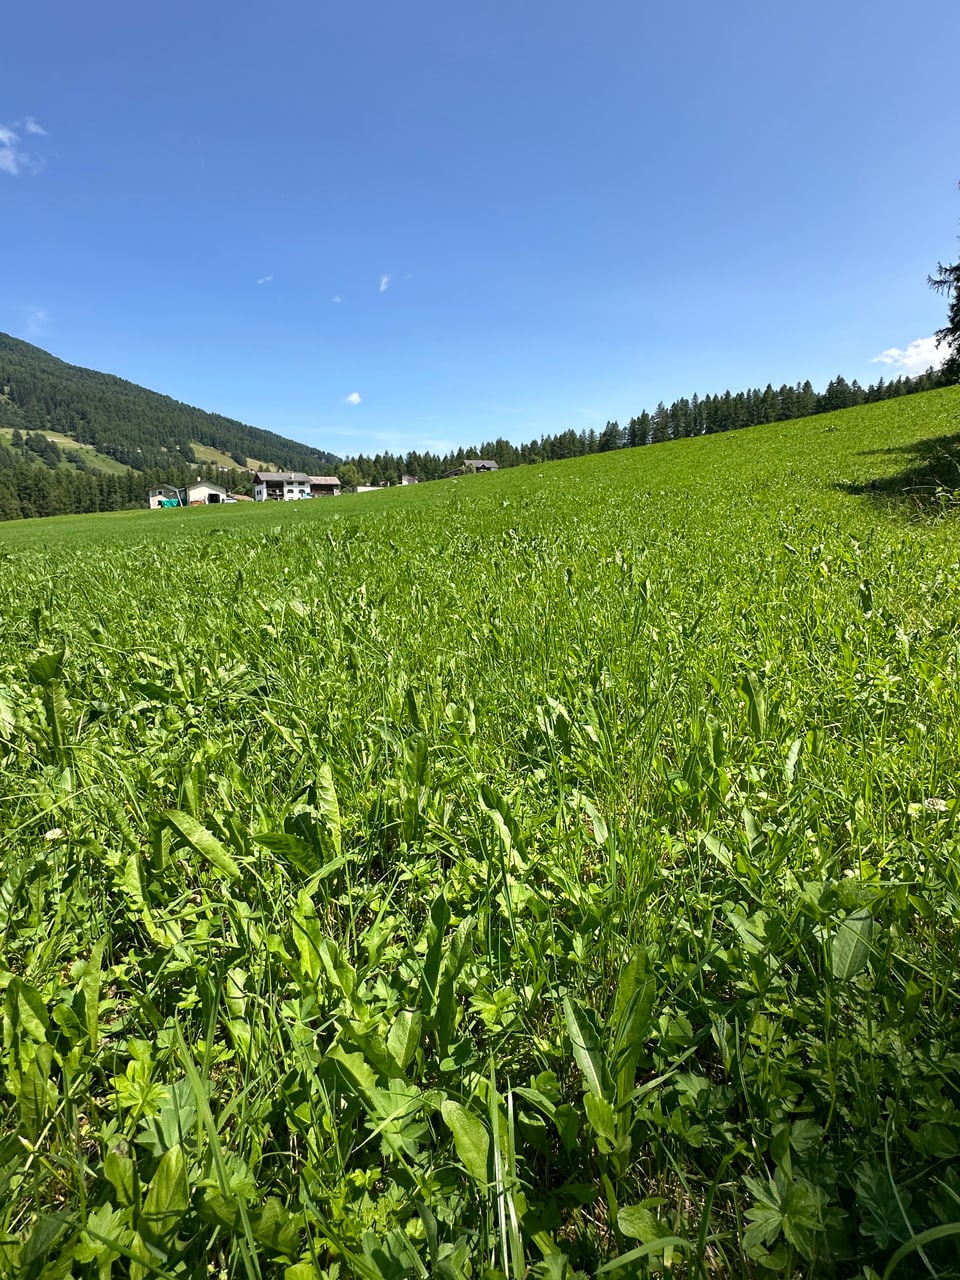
(60, 483)
(139, 428)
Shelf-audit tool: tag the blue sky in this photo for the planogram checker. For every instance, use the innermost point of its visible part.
(389, 227)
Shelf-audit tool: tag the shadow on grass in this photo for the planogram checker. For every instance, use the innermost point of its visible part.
(928, 485)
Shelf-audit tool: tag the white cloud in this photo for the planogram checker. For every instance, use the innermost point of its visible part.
(384, 283)
(353, 397)
(9, 151)
(264, 279)
(336, 298)
(15, 158)
(916, 358)
(36, 322)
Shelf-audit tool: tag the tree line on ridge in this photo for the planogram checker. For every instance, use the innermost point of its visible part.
(680, 420)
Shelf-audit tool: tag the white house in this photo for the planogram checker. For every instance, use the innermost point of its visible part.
(291, 486)
(165, 495)
(200, 493)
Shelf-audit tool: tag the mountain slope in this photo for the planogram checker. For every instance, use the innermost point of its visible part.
(131, 424)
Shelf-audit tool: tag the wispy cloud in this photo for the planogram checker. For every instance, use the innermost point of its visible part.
(36, 322)
(353, 397)
(264, 279)
(493, 406)
(336, 298)
(15, 158)
(384, 283)
(918, 356)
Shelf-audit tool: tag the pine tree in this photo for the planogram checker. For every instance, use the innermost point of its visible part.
(611, 437)
(947, 280)
(660, 420)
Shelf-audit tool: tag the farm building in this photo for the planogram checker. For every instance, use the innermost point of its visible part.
(291, 486)
(472, 466)
(199, 494)
(165, 495)
(324, 487)
(202, 492)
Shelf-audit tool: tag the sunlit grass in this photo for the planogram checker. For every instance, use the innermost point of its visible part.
(548, 873)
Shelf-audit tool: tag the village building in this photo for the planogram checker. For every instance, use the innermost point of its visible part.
(165, 495)
(472, 466)
(200, 493)
(324, 487)
(291, 486)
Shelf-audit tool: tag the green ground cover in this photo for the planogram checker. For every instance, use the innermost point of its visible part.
(99, 461)
(207, 453)
(547, 873)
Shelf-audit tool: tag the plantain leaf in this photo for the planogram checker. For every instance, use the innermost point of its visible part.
(602, 1117)
(328, 805)
(585, 1041)
(290, 847)
(26, 1009)
(168, 1197)
(202, 841)
(120, 1173)
(850, 949)
(37, 1095)
(639, 1223)
(90, 987)
(470, 1138)
(404, 1036)
(47, 667)
(632, 1019)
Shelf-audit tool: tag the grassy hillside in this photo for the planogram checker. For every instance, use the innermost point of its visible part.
(543, 873)
(92, 459)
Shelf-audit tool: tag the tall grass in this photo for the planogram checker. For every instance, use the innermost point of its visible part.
(551, 873)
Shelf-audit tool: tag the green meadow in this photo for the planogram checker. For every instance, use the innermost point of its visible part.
(550, 873)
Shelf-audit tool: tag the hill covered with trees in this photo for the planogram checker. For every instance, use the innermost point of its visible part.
(136, 427)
